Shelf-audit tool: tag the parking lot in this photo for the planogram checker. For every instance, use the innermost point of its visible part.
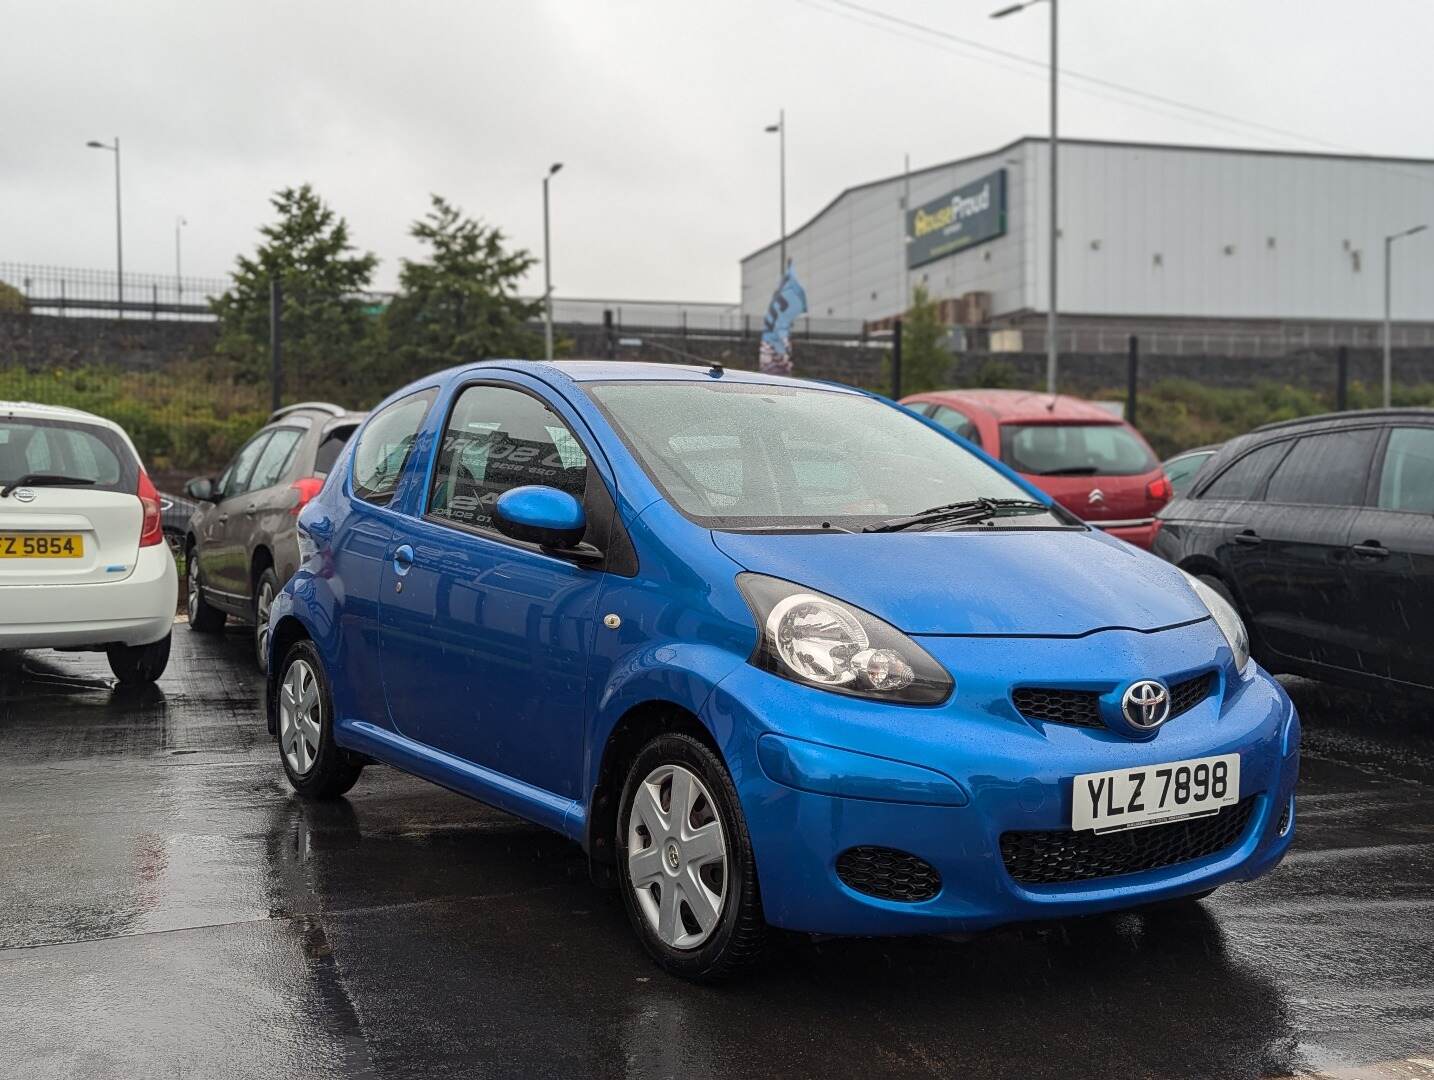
(167, 908)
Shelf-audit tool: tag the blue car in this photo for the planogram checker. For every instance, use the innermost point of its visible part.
(776, 654)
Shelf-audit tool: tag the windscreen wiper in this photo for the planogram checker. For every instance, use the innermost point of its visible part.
(968, 511)
(40, 479)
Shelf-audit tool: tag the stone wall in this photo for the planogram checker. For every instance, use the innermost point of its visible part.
(136, 344)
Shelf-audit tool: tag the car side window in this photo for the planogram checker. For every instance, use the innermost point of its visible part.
(956, 422)
(499, 438)
(1245, 480)
(385, 445)
(1328, 469)
(236, 477)
(275, 458)
(1181, 471)
(1406, 481)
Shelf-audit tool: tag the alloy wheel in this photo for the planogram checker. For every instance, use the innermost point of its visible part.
(677, 856)
(191, 603)
(262, 606)
(300, 717)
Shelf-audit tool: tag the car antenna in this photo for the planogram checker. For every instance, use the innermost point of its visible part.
(1051, 405)
(716, 369)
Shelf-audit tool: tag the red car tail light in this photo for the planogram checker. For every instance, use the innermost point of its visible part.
(307, 488)
(151, 530)
(1159, 490)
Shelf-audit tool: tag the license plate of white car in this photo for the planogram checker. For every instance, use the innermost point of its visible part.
(42, 546)
(1153, 794)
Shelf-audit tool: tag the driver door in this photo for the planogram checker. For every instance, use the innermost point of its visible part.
(484, 640)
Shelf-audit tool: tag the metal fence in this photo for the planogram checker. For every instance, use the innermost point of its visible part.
(68, 291)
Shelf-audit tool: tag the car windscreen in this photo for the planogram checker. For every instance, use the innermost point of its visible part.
(740, 455)
(1074, 450)
(92, 457)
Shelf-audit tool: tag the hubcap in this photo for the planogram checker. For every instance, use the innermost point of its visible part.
(300, 717)
(261, 622)
(677, 856)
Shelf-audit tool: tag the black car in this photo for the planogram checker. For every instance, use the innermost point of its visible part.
(241, 543)
(1321, 532)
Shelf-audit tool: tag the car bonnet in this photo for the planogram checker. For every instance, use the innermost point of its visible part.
(1005, 582)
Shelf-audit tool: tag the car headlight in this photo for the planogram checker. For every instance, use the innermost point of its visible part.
(1226, 618)
(811, 638)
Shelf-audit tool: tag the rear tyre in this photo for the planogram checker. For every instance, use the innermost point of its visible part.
(317, 767)
(264, 592)
(203, 616)
(139, 665)
(685, 862)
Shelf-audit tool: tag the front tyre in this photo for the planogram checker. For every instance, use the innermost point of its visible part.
(317, 767)
(688, 876)
(139, 665)
(203, 616)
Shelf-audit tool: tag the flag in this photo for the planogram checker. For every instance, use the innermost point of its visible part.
(789, 302)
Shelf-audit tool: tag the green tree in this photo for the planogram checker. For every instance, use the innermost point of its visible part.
(325, 327)
(925, 363)
(461, 303)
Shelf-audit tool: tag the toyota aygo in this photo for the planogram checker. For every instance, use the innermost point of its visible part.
(775, 653)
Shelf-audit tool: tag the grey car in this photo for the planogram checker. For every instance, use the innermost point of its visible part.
(241, 544)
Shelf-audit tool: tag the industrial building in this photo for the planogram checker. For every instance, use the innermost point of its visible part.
(1179, 238)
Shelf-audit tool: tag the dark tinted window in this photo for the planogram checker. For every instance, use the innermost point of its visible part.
(236, 477)
(1245, 479)
(275, 458)
(1329, 469)
(499, 438)
(57, 448)
(1074, 450)
(385, 444)
(1181, 471)
(957, 422)
(332, 445)
(1407, 480)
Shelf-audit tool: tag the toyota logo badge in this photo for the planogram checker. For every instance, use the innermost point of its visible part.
(1146, 705)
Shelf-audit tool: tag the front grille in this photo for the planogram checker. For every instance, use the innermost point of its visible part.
(888, 874)
(1081, 708)
(1052, 858)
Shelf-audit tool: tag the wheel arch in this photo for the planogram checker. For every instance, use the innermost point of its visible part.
(636, 727)
(287, 632)
(262, 559)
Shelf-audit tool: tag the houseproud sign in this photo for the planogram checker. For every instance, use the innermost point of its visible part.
(972, 214)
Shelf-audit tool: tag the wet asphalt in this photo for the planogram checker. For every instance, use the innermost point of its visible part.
(169, 909)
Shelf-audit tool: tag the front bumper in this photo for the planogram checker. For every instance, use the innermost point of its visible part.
(964, 773)
(137, 610)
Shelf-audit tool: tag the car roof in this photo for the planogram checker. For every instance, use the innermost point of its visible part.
(1353, 416)
(1024, 406)
(1207, 449)
(323, 408)
(584, 371)
(30, 410)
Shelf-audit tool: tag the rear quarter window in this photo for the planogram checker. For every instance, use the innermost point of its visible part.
(330, 447)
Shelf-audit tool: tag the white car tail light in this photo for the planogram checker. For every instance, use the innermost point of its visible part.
(151, 529)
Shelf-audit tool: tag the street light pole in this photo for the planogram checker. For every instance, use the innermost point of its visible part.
(548, 267)
(780, 128)
(1388, 354)
(119, 219)
(179, 223)
(1051, 351)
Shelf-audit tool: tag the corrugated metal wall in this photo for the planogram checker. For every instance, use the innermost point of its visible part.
(1146, 231)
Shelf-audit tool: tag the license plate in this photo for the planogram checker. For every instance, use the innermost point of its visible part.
(42, 546)
(1151, 794)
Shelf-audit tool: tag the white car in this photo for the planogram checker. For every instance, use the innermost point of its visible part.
(83, 562)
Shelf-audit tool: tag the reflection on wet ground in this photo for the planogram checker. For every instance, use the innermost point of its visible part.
(167, 908)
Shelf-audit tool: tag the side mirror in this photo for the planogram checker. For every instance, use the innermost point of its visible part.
(201, 488)
(540, 515)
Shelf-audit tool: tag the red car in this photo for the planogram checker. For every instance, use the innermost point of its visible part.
(1092, 462)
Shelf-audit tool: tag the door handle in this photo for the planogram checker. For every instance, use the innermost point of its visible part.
(249, 510)
(403, 560)
(1249, 536)
(1370, 549)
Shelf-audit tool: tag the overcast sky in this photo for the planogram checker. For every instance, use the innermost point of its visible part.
(655, 108)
